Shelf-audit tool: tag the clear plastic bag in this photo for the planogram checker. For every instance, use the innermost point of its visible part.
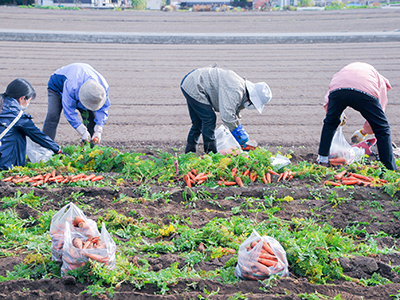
(340, 148)
(226, 143)
(36, 153)
(261, 257)
(77, 250)
(83, 229)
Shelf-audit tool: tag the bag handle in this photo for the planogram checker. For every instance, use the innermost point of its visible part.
(11, 124)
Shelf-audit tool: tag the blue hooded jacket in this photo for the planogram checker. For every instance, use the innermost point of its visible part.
(13, 144)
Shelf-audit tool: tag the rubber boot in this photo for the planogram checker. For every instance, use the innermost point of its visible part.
(210, 147)
(190, 148)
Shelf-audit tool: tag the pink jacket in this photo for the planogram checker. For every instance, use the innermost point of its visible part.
(363, 77)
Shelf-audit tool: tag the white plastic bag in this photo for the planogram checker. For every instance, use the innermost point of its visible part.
(226, 143)
(57, 228)
(36, 152)
(341, 148)
(256, 253)
(280, 161)
(102, 249)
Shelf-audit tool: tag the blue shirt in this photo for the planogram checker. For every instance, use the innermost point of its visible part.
(67, 81)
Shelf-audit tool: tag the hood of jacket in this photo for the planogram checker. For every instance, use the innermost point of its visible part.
(11, 108)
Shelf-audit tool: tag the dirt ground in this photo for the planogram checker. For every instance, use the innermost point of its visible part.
(148, 108)
(148, 111)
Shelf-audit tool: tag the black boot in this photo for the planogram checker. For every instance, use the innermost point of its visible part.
(190, 148)
(210, 147)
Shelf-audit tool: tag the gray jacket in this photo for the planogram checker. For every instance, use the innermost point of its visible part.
(223, 89)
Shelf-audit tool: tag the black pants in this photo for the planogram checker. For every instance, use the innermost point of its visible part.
(54, 108)
(204, 121)
(370, 109)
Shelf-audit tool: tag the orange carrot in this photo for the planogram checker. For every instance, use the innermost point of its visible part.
(90, 177)
(97, 257)
(268, 256)
(194, 171)
(253, 176)
(269, 178)
(362, 177)
(40, 182)
(200, 181)
(328, 182)
(46, 177)
(340, 175)
(268, 248)
(246, 173)
(254, 243)
(349, 182)
(285, 175)
(53, 173)
(78, 176)
(239, 181)
(187, 180)
(267, 262)
(37, 177)
(264, 179)
(8, 179)
(280, 177)
(97, 178)
(272, 172)
(201, 176)
(234, 171)
(66, 178)
(191, 175)
(227, 183)
(337, 161)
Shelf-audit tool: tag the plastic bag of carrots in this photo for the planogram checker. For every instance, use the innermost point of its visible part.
(80, 227)
(77, 250)
(341, 152)
(261, 257)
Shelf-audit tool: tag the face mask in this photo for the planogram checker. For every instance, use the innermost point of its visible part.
(249, 105)
(23, 107)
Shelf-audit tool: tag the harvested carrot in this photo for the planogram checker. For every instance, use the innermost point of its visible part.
(280, 177)
(201, 181)
(340, 175)
(201, 176)
(78, 176)
(8, 179)
(267, 262)
(97, 178)
(187, 180)
(362, 177)
(268, 248)
(254, 243)
(37, 183)
(246, 173)
(264, 179)
(268, 177)
(239, 181)
(47, 177)
(328, 182)
(285, 175)
(90, 177)
(227, 183)
(268, 256)
(66, 178)
(349, 182)
(234, 171)
(337, 161)
(191, 175)
(194, 171)
(53, 173)
(253, 176)
(272, 172)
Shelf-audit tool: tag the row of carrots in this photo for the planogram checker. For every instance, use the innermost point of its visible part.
(344, 178)
(52, 177)
(193, 178)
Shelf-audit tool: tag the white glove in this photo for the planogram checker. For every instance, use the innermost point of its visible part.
(96, 138)
(358, 137)
(83, 132)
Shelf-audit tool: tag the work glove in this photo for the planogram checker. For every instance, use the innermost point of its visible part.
(358, 137)
(98, 130)
(240, 135)
(84, 133)
(62, 152)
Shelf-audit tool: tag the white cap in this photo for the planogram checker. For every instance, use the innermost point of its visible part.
(92, 95)
(260, 94)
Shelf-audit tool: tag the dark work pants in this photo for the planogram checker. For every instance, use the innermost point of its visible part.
(54, 108)
(370, 109)
(204, 121)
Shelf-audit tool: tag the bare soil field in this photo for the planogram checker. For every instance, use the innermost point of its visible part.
(148, 112)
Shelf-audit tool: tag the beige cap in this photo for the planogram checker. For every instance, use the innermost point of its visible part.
(92, 95)
(259, 93)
